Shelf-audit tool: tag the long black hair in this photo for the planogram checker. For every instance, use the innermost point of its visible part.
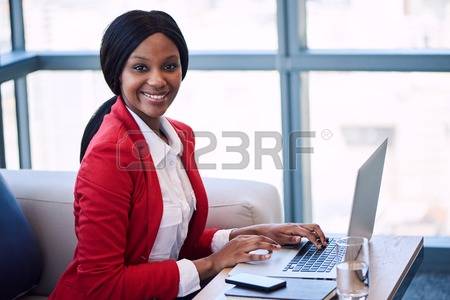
(94, 124)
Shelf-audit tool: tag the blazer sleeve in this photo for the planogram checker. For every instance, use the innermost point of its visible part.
(103, 195)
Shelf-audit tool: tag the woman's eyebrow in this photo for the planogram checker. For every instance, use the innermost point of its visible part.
(171, 57)
(148, 59)
(139, 57)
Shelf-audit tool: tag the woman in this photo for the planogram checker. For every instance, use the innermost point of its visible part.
(140, 205)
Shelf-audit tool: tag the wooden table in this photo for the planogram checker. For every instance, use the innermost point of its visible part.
(394, 261)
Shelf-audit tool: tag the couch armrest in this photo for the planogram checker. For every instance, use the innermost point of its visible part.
(237, 203)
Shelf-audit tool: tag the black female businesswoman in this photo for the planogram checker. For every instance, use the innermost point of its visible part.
(140, 205)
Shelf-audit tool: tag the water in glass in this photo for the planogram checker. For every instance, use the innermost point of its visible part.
(353, 279)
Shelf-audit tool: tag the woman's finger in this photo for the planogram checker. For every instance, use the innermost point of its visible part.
(251, 238)
(318, 231)
(290, 239)
(313, 238)
(322, 237)
(261, 245)
(250, 243)
(266, 239)
(253, 256)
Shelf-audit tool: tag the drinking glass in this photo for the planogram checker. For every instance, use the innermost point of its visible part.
(352, 269)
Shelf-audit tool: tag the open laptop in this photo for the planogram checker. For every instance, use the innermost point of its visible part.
(304, 260)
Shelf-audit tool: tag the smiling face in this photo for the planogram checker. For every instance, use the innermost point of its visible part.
(151, 78)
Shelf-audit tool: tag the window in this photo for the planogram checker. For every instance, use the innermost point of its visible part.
(223, 103)
(60, 105)
(10, 125)
(361, 109)
(378, 24)
(5, 28)
(206, 24)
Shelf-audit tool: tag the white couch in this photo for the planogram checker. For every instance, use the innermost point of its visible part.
(46, 198)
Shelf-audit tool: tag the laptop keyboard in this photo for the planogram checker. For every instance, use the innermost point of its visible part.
(310, 259)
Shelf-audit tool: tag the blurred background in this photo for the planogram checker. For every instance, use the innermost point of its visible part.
(350, 108)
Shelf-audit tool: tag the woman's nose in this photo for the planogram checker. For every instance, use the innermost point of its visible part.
(156, 80)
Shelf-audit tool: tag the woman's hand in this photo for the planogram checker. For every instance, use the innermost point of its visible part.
(237, 250)
(286, 234)
(234, 252)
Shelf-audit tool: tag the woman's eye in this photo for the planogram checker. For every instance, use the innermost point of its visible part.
(170, 67)
(140, 68)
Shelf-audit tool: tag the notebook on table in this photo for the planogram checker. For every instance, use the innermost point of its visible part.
(296, 289)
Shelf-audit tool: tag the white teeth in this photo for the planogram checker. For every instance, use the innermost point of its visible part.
(154, 97)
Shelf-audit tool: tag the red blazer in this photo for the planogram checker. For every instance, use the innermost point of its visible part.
(118, 209)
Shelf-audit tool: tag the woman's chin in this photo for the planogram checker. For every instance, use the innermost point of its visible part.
(155, 113)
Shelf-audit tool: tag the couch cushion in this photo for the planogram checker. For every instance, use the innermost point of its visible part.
(20, 256)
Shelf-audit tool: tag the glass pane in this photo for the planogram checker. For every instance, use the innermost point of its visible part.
(378, 24)
(60, 105)
(206, 24)
(10, 125)
(212, 103)
(226, 105)
(352, 113)
(5, 28)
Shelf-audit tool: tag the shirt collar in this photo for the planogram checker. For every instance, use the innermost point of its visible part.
(158, 148)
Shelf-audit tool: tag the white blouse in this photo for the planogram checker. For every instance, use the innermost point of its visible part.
(179, 203)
